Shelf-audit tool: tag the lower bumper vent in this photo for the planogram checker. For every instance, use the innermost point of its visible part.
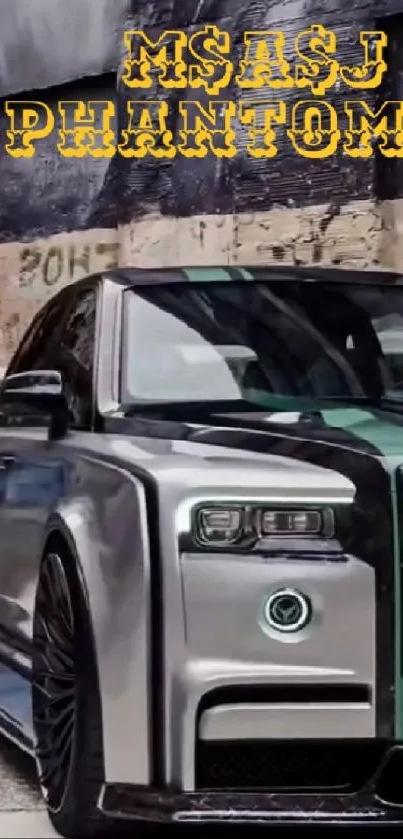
(329, 766)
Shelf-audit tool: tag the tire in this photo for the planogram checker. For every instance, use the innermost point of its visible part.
(66, 701)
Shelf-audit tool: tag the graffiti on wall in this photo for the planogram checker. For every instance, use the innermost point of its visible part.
(181, 186)
(31, 272)
(49, 266)
(351, 235)
(61, 217)
(70, 193)
(87, 128)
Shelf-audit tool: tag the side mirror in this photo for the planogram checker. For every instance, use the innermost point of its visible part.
(38, 393)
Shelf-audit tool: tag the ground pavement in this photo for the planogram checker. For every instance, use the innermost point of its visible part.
(22, 814)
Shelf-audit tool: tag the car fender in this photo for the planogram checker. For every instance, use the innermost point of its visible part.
(116, 583)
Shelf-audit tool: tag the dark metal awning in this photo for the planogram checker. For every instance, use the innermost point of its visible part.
(45, 43)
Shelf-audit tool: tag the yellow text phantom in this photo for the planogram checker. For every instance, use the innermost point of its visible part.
(313, 127)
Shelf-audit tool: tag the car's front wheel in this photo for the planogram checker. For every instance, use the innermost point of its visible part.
(65, 700)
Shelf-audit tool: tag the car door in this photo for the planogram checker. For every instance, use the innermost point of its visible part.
(34, 473)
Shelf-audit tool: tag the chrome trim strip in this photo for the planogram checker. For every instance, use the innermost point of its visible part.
(109, 348)
(287, 721)
(283, 817)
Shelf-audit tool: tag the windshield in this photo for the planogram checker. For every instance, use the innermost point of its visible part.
(258, 341)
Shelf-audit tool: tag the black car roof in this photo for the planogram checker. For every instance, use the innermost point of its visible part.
(157, 276)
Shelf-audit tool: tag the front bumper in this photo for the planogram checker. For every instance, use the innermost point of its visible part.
(229, 677)
(378, 802)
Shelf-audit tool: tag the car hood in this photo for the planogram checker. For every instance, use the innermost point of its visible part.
(377, 434)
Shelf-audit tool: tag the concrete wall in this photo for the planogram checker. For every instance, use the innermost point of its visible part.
(60, 219)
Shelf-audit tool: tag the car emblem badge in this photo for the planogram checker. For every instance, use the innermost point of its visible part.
(287, 610)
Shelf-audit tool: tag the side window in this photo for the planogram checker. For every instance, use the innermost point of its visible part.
(73, 356)
(34, 349)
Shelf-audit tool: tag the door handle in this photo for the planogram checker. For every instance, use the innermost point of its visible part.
(6, 461)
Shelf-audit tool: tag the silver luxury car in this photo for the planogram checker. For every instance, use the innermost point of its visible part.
(201, 496)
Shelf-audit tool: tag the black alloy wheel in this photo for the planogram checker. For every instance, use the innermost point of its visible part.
(65, 701)
(55, 684)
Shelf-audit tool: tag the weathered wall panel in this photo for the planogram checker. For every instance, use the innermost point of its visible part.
(60, 219)
(30, 272)
(49, 193)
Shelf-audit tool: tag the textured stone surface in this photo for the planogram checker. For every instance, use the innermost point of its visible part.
(350, 236)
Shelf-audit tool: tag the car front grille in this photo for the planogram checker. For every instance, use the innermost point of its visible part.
(287, 765)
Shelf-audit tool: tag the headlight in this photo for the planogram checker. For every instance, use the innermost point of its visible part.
(291, 522)
(250, 526)
(220, 526)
